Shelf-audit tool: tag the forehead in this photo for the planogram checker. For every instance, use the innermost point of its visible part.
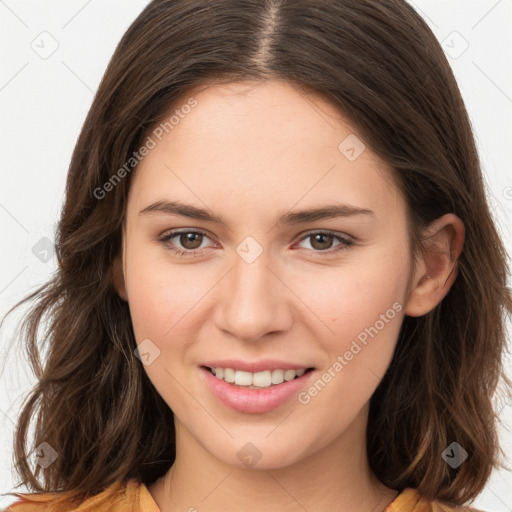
(265, 144)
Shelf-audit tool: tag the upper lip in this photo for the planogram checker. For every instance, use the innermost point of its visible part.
(256, 366)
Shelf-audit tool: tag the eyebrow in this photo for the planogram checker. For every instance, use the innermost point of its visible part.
(289, 218)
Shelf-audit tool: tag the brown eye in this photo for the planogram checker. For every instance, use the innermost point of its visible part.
(321, 241)
(325, 242)
(190, 240)
(184, 243)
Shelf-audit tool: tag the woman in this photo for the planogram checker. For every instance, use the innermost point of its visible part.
(279, 284)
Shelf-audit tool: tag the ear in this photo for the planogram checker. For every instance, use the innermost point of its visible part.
(118, 278)
(436, 266)
(118, 273)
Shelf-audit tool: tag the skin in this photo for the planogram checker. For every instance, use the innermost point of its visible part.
(248, 153)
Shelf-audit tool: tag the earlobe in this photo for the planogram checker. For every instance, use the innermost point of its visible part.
(118, 278)
(437, 269)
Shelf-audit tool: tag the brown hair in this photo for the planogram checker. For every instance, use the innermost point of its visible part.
(381, 65)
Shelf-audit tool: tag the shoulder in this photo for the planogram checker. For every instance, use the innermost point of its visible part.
(409, 500)
(130, 496)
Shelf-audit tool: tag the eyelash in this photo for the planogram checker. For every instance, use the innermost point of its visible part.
(345, 243)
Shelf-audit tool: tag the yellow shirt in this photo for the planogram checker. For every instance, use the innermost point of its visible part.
(133, 496)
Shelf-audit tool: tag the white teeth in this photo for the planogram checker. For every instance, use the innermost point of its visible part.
(229, 374)
(263, 379)
(277, 376)
(289, 375)
(243, 378)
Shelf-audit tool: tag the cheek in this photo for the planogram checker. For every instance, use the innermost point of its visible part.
(162, 303)
(351, 298)
(342, 301)
(361, 308)
(160, 295)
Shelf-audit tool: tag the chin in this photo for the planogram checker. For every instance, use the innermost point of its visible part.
(260, 455)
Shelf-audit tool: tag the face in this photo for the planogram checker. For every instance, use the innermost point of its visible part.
(226, 264)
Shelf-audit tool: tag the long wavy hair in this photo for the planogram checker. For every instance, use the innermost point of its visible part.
(380, 64)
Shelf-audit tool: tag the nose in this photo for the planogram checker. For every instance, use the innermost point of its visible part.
(253, 301)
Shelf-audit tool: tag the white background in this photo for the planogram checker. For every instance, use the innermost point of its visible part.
(43, 103)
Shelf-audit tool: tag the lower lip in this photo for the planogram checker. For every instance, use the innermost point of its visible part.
(254, 401)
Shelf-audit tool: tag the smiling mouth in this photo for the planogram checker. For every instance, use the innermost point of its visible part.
(256, 380)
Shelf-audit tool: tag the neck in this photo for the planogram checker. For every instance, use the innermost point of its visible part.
(337, 477)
